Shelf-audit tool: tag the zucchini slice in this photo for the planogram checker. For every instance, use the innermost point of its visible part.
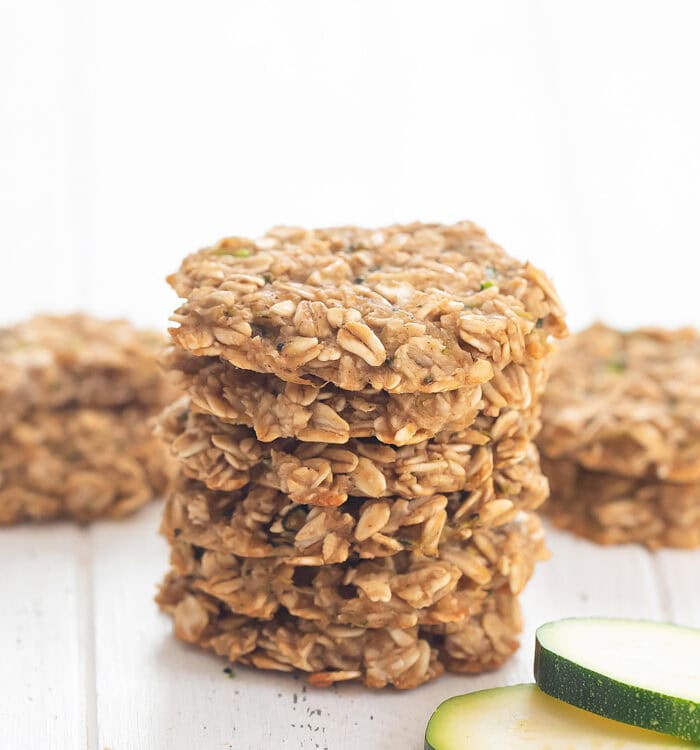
(638, 672)
(522, 716)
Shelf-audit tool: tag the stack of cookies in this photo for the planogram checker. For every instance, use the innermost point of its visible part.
(76, 400)
(357, 473)
(621, 436)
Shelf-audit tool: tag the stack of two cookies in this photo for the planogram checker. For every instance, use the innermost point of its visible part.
(76, 400)
(357, 471)
(621, 436)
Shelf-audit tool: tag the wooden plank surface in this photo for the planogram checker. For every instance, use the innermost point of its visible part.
(679, 577)
(89, 662)
(46, 650)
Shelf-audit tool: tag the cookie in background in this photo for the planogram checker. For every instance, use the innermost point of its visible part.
(620, 440)
(77, 398)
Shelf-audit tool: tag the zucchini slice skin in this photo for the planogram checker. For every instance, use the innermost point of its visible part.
(612, 698)
(523, 717)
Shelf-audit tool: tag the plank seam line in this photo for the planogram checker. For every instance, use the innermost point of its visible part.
(662, 587)
(87, 636)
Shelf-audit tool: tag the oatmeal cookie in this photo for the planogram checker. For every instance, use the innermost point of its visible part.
(326, 414)
(404, 658)
(405, 309)
(262, 522)
(227, 457)
(400, 591)
(54, 361)
(612, 509)
(80, 463)
(626, 403)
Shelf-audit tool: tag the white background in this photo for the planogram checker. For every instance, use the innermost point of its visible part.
(135, 132)
(131, 133)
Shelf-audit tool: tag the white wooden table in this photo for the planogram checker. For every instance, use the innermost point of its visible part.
(87, 661)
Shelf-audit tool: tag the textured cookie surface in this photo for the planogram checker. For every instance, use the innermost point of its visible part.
(414, 308)
(325, 413)
(618, 510)
(626, 403)
(262, 522)
(404, 658)
(227, 457)
(398, 591)
(53, 361)
(80, 463)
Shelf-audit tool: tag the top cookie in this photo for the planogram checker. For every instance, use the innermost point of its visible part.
(626, 403)
(406, 309)
(51, 361)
